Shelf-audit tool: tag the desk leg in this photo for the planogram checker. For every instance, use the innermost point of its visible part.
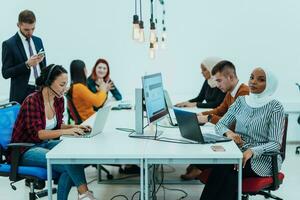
(49, 177)
(240, 180)
(146, 179)
(142, 179)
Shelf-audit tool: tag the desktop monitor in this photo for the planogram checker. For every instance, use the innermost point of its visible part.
(154, 98)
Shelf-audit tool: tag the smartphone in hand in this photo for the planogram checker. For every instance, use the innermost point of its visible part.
(41, 52)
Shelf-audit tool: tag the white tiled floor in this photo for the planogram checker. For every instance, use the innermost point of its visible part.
(288, 191)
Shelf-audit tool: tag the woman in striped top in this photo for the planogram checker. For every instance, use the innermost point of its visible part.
(259, 122)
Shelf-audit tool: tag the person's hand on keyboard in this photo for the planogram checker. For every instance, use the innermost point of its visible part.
(76, 131)
(85, 128)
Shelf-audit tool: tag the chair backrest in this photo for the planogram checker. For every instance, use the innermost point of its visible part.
(8, 116)
(284, 135)
(72, 112)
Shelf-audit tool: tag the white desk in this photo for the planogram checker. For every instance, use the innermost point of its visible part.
(115, 147)
(171, 153)
(109, 147)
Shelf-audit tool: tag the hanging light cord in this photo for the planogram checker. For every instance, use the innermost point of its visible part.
(141, 10)
(155, 14)
(151, 11)
(164, 12)
(135, 7)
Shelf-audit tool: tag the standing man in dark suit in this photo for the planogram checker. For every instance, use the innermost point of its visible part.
(20, 61)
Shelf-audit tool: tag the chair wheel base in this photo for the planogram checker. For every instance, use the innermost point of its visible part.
(121, 170)
(268, 195)
(109, 177)
(297, 150)
(44, 193)
(32, 196)
(37, 184)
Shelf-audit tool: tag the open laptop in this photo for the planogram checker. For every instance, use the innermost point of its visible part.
(189, 128)
(169, 104)
(172, 117)
(99, 123)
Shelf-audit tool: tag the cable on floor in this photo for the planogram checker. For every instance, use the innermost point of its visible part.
(137, 192)
(119, 195)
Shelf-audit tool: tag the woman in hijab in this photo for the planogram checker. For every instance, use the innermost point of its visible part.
(209, 92)
(259, 122)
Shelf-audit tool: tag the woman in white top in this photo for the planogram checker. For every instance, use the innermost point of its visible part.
(259, 120)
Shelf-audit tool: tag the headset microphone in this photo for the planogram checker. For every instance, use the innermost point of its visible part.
(57, 95)
(48, 83)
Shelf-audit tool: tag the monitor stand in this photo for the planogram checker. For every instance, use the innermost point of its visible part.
(152, 131)
(140, 131)
(149, 132)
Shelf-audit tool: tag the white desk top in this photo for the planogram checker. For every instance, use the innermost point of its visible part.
(109, 144)
(114, 144)
(159, 149)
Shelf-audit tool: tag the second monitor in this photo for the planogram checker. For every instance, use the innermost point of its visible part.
(150, 99)
(154, 97)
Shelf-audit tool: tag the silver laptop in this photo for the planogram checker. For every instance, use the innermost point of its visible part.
(99, 123)
(169, 104)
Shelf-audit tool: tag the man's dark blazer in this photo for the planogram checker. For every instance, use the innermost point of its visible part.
(14, 67)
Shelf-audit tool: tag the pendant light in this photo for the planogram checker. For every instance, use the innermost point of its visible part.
(138, 26)
(135, 28)
(151, 51)
(141, 25)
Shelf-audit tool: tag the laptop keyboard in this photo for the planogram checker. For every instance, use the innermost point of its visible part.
(211, 137)
(85, 135)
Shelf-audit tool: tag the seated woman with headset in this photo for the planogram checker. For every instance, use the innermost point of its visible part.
(259, 122)
(40, 120)
(83, 99)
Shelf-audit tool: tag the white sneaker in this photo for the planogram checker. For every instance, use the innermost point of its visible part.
(88, 195)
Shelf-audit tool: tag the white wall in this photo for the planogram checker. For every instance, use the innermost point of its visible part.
(249, 33)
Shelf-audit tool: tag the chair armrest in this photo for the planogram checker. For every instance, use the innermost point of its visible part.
(16, 145)
(272, 153)
(15, 158)
(275, 170)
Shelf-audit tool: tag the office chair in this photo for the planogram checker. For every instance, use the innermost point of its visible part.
(261, 185)
(298, 147)
(74, 115)
(13, 170)
(72, 112)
